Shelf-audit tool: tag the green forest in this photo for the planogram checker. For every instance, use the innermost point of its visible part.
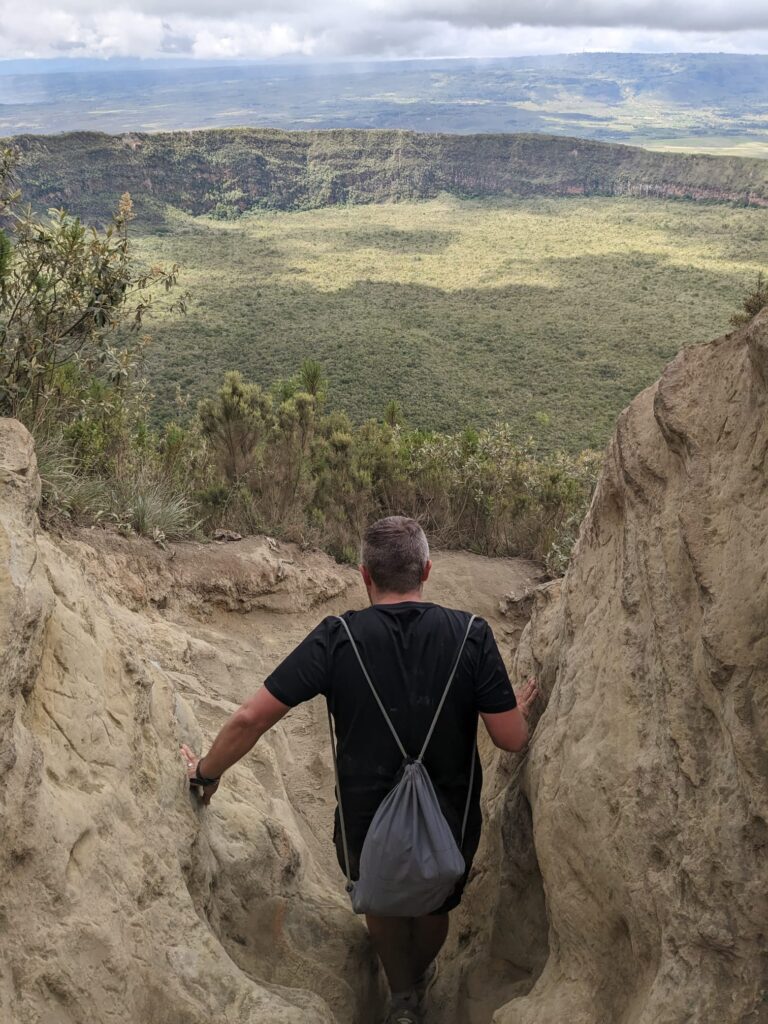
(546, 314)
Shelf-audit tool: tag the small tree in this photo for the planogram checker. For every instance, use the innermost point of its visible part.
(235, 423)
(393, 413)
(752, 302)
(5, 255)
(287, 484)
(65, 292)
(343, 498)
(312, 380)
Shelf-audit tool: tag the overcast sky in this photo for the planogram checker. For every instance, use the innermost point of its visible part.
(382, 28)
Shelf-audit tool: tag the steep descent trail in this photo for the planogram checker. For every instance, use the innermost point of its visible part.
(623, 874)
(123, 900)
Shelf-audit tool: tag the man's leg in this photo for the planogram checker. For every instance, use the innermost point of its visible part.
(429, 935)
(407, 946)
(392, 938)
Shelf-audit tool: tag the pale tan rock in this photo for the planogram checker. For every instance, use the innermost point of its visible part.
(648, 774)
(25, 599)
(122, 899)
(252, 574)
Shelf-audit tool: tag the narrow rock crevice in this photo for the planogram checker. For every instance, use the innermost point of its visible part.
(622, 874)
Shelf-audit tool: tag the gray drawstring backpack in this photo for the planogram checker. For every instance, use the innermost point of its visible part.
(409, 863)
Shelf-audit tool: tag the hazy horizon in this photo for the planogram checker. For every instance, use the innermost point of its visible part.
(702, 102)
(350, 62)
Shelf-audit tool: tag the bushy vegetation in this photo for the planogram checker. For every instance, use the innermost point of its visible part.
(755, 300)
(279, 459)
(284, 465)
(547, 314)
(72, 307)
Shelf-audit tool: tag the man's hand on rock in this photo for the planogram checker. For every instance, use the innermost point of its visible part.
(191, 761)
(527, 696)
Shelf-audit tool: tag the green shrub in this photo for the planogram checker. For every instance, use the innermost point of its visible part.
(753, 302)
(67, 493)
(288, 469)
(151, 507)
(70, 298)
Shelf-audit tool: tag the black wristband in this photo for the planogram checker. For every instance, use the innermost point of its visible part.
(201, 780)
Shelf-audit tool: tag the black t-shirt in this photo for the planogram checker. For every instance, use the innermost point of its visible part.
(409, 650)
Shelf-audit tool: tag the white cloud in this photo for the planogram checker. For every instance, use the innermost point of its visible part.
(242, 38)
(377, 28)
(527, 40)
(115, 33)
(682, 15)
(22, 36)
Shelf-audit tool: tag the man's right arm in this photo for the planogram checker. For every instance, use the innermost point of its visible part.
(504, 712)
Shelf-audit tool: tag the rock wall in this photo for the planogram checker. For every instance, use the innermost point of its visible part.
(648, 771)
(85, 172)
(121, 898)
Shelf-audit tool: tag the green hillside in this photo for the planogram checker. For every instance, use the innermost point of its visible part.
(537, 280)
(229, 171)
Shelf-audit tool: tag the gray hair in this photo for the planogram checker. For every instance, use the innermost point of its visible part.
(395, 552)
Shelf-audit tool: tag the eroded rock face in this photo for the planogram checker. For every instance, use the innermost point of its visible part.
(122, 899)
(648, 771)
(623, 873)
(25, 598)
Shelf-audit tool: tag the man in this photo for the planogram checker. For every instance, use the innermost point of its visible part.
(408, 646)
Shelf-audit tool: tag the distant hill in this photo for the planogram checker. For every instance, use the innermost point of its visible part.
(229, 171)
(697, 100)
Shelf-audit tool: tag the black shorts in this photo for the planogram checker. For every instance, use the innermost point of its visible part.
(468, 850)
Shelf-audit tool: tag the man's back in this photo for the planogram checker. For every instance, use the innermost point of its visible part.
(409, 649)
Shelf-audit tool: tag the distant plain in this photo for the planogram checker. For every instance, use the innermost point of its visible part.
(703, 102)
